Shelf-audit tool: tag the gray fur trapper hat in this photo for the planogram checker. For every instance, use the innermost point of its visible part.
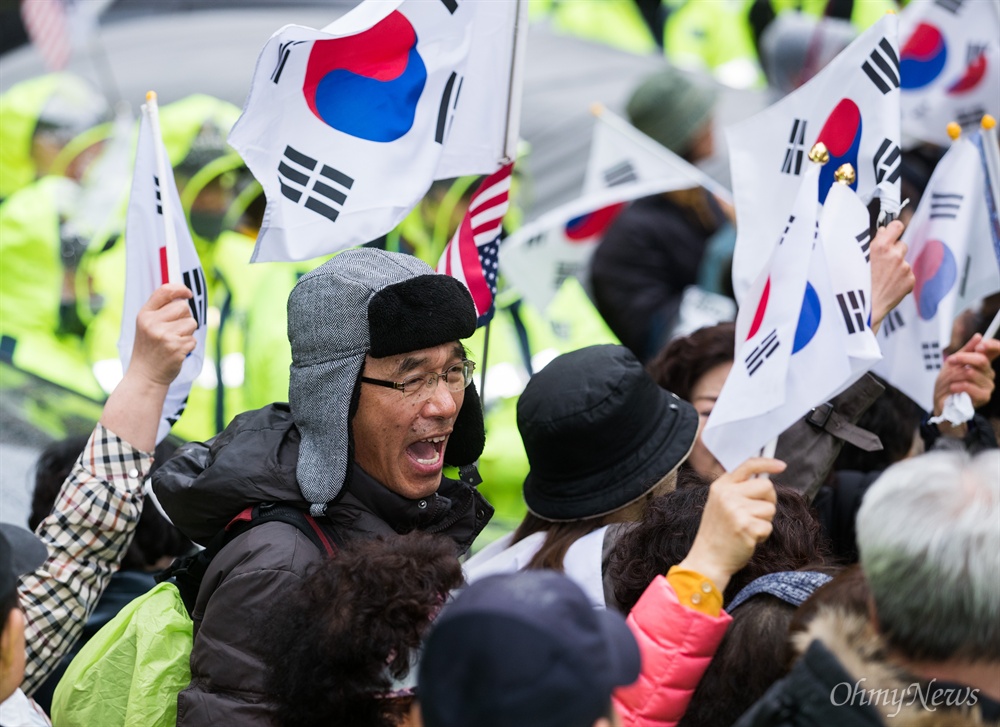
(366, 301)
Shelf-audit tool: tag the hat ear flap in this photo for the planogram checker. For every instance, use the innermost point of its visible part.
(468, 437)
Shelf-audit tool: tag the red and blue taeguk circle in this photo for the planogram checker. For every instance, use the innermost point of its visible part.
(935, 271)
(367, 85)
(842, 136)
(922, 58)
(810, 315)
(592, 224)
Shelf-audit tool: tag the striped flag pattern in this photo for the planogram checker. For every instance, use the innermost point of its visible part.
(471, 254)
(47, 25)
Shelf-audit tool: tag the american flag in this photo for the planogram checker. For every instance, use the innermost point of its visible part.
(47, 25)
(471, 255)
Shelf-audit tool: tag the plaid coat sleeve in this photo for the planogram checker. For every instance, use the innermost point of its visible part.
(90, 528)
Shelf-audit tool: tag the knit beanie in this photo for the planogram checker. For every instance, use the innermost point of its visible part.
(671, 107)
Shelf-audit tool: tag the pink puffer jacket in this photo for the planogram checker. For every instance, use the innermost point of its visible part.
(676, 644)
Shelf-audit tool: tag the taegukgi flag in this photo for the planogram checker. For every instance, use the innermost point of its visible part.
(346, 127)
(852, 106)
(624, 165)
(153, 205)
(953, 259)
(845, 237)
(793, 338)
(949, 66)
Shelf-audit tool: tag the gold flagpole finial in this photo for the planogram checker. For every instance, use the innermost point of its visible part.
(954, 131)
(819, 153)
(845, 174)
(150, 96)
(988, 122)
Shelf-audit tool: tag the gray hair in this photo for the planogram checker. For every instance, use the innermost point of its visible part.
(929, 537)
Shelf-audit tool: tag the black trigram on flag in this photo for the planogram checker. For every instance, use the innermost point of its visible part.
(852, 305)
(864, 239)
(891, 323)
(284, 50)
(887, 162)
(535, 239)
(945, 206)
(171, 419)
(756, 358)
(970, 117)
(932, 355)
(882, 67)
(159, 199)
(788, 226)
(449, 102)
(796, 148)
(565, 270)
(320, 187)
(195, 281)
(452, 5)
(621, 173)
(952, 6)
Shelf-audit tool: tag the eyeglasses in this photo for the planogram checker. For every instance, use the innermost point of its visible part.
(421, 386)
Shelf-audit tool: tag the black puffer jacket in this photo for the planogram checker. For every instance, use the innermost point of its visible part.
(204, 486)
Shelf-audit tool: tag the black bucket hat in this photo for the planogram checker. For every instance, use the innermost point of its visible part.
(599, 433)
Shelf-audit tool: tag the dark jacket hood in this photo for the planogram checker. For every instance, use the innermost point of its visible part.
(206, 484)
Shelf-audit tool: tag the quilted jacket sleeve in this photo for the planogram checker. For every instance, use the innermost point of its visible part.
(676, 644)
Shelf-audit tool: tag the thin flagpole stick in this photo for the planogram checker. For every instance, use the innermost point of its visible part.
(767, 451)
(989, 154)
(624, 128)
(991, 330)
(166, 200)
(482, 375)
(514, 81)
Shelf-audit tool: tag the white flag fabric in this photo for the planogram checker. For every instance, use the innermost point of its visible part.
(346, 127)
(793, 338)
(952, 256)
(852, 106)
(621, 154)
(624, 165)
(949, 66)
(846, 239)
(146, 264)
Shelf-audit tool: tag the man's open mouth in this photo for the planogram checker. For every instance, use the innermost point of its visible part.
(428, 451)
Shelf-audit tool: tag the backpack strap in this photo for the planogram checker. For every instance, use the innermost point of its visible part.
(188, 572)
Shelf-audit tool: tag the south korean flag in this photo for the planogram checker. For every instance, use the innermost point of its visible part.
(152, 259)
(852, 106)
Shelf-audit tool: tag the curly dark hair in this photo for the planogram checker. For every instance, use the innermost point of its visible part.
(668, 529)
(333, 646)
(679, 365)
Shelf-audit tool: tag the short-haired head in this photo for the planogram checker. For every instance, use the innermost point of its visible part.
(929, 541)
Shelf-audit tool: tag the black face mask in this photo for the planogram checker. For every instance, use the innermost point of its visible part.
(207, 225)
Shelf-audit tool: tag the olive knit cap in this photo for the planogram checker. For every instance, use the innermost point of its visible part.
(671, 107)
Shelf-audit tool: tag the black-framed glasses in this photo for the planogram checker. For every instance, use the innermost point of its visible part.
(421, 386)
